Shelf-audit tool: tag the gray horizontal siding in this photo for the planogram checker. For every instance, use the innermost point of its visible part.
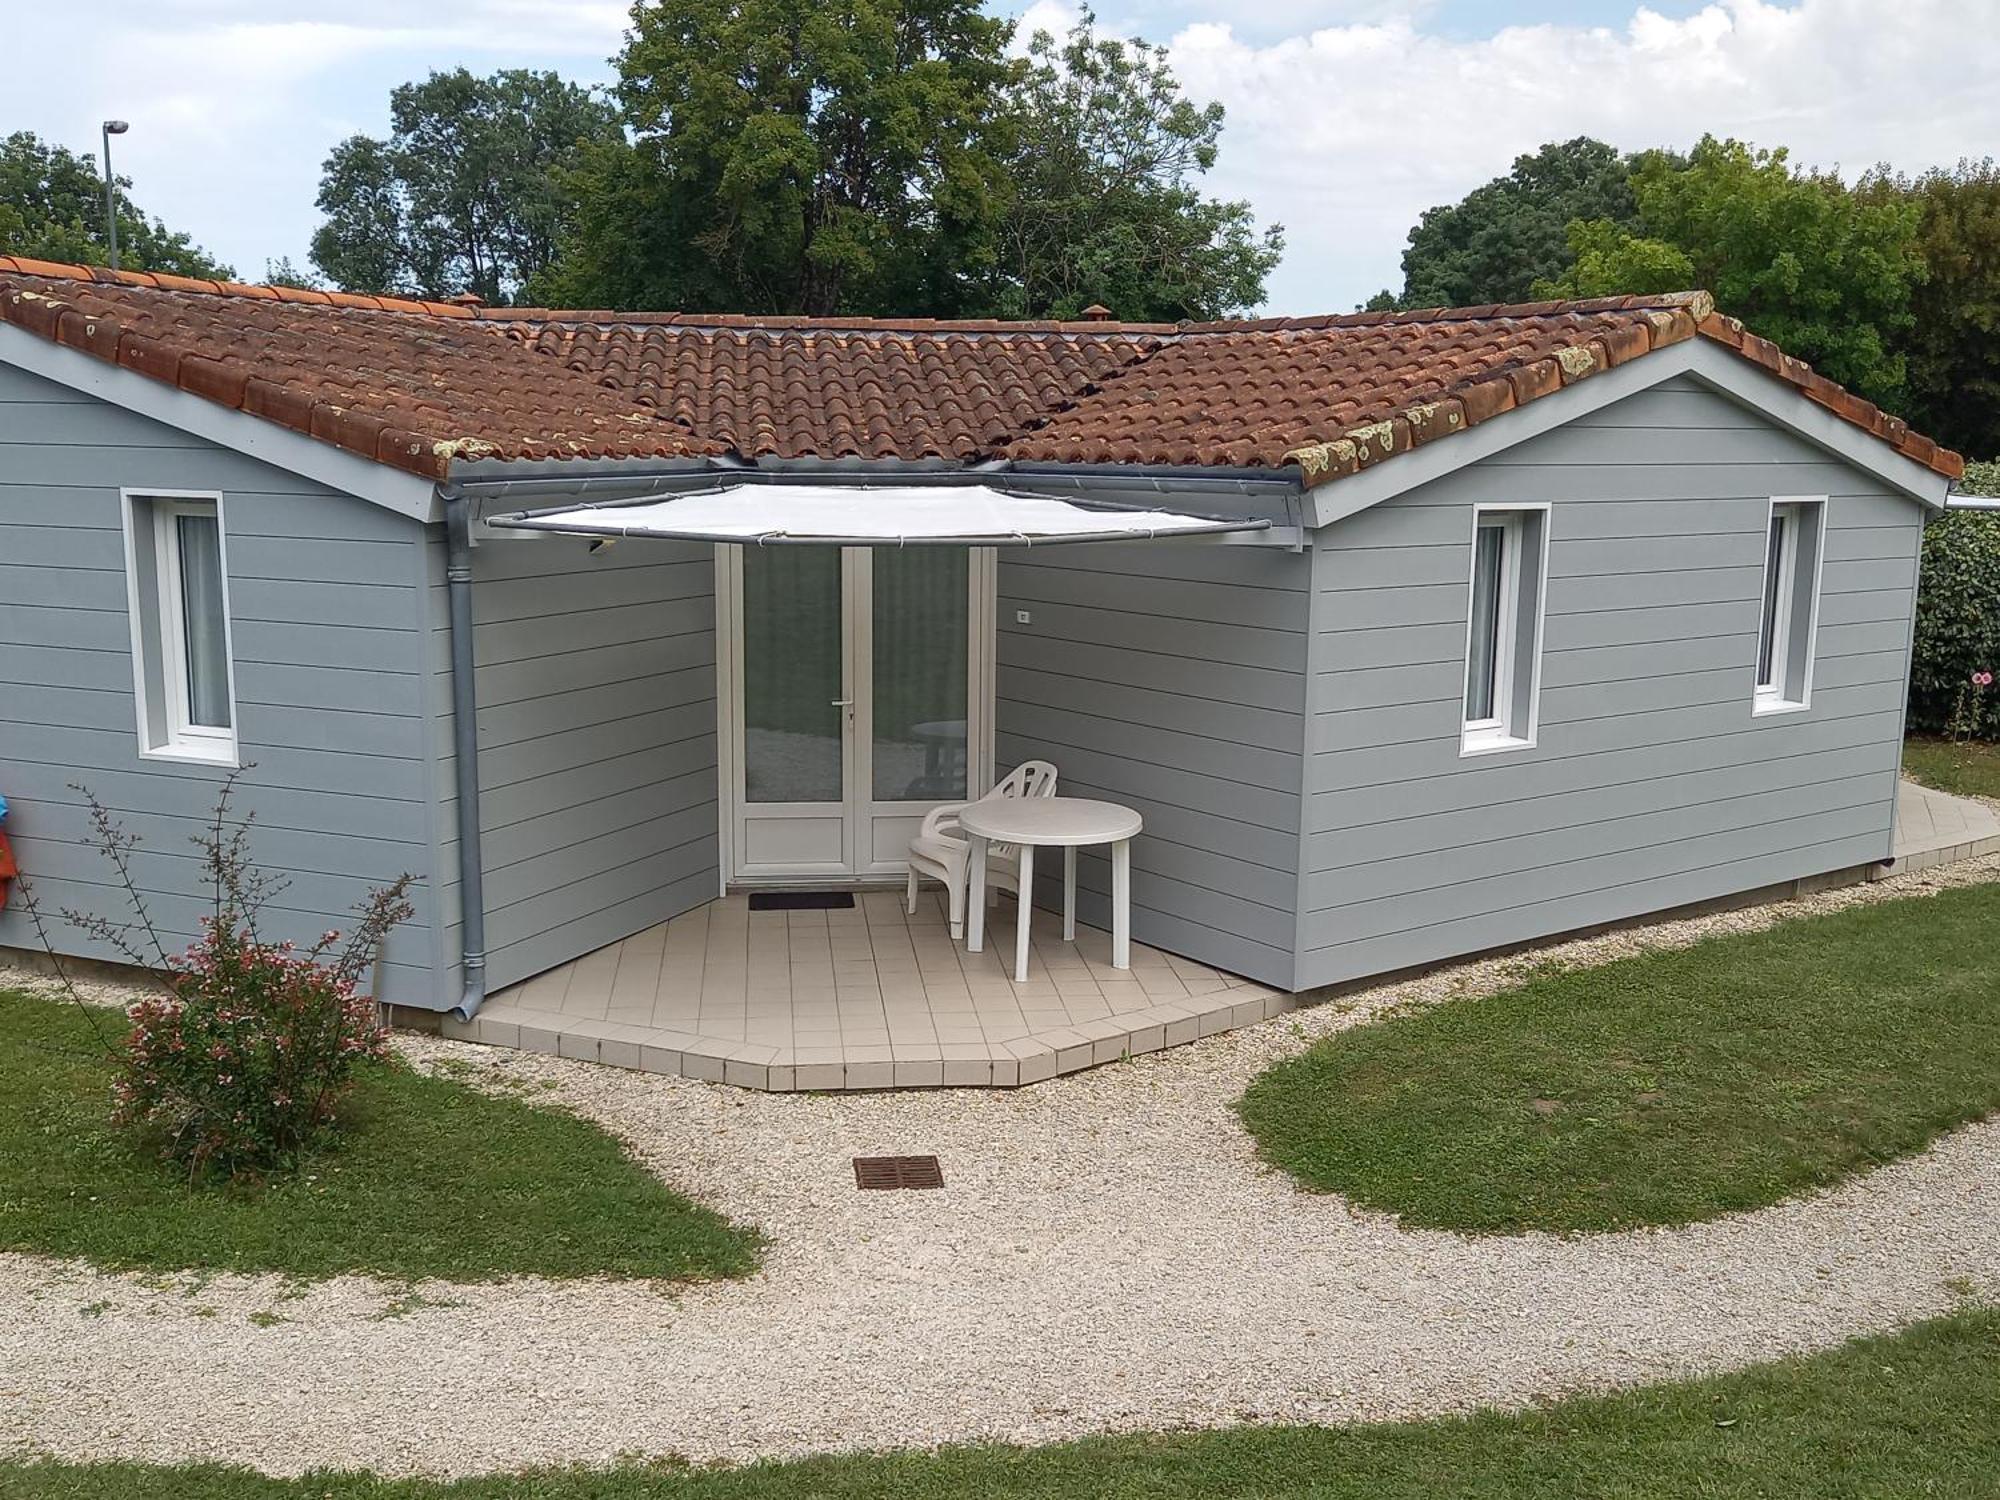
(327, 613)
(598, 784)
(1651, 784)
(1170, 678)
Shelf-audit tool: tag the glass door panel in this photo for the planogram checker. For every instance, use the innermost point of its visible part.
(793, 684)
(919, 652)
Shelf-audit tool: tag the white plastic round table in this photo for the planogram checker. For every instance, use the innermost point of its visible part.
(1065, 823)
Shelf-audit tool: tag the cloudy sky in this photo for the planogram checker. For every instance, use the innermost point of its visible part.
(1346, 117)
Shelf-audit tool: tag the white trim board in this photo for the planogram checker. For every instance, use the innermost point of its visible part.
(393, 489)
(1727, 373)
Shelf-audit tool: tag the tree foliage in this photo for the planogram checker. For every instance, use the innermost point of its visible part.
(887, 157)
(465, 195)
(795, 157)
(1498, 241)
(1824, 270)
(52, 208)
(1103, 201)
(1958, 620)
(1952, 343)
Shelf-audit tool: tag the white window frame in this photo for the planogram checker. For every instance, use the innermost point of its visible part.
(165, 727)
(1499, 732)
(1795, 511)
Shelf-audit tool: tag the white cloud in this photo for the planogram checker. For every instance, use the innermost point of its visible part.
(1347, 133)
(234, 107)
(1347, 118)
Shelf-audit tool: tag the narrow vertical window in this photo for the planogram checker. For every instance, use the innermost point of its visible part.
(178, 593)
(197, 551)
(1503, 628)
(1489, 580)
(1790, 605)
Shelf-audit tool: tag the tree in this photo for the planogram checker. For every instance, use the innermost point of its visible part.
(791, 156)
(281, 272)
(1825, 271)
(1500, 239)
(466, 194)
(1952, 343)
(1103, 205)
(52, 208)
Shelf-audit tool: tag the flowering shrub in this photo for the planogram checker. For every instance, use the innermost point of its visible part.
(1972, 711)
(240, 1063)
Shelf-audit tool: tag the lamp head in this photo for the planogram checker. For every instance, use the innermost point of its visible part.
(116, 127)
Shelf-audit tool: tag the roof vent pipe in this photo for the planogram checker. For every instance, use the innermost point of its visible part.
(468, 299)
(1097, 312)
(465, 744)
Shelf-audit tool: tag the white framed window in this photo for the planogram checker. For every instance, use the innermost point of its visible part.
(1788, 622)
(177, 589)
(1503, 633)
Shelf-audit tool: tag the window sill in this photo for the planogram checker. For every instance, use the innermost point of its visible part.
(194, 754)
(1486, 743)
(1767, 707)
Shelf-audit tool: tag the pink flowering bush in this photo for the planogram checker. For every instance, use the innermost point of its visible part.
(1971, 714)
(240, 1063)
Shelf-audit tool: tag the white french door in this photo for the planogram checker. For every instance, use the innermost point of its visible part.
(856, 694)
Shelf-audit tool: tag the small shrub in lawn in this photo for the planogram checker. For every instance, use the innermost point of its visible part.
(241, 1061)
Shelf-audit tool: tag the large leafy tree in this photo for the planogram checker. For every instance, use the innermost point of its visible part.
(1824, 270)
(465, 195)
(797, 156)
(1494, 244)
(52, 208)
(1103, 201)
(1952, 343)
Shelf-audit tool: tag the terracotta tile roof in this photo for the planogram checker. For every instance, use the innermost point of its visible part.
(814, 390)
(419, 384)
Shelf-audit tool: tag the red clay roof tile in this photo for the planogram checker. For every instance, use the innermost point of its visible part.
(419, 384)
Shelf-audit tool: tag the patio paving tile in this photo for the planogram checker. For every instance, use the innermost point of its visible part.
(868, 998)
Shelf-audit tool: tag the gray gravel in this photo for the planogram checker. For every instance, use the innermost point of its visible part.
(1108, 1254)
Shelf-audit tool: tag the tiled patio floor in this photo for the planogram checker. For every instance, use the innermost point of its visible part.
(1935, 828)
(862, 998)
(868, 998)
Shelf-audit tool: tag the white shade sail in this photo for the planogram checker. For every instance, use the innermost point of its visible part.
(973, 515)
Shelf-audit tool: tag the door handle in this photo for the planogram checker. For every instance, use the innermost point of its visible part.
(840, 703)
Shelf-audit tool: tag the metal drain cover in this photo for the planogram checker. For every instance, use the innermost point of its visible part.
(898, 1172)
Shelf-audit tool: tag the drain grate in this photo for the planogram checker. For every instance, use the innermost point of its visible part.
(898, 1172)
(802, 901)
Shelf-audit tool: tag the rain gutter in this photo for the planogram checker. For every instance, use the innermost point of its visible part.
(465, 742)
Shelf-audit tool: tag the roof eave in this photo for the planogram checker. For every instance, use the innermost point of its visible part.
(1707, 360)
(394, 488)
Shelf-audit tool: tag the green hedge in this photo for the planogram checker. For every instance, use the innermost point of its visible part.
(1958, 611)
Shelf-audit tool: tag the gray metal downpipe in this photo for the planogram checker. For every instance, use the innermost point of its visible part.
(465, 743)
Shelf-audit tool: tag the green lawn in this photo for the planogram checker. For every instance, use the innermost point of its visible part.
(1970, 769)
(434, 1180)
(1661, 1089)
(1883, 1418)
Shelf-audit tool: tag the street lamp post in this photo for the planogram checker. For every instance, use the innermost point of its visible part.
(111, 128)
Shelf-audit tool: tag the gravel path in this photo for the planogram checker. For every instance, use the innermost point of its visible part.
(1108, 1254)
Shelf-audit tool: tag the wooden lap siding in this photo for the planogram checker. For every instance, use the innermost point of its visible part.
(327, 607)
(1169, 677)
(596, 682)
(1651, 785)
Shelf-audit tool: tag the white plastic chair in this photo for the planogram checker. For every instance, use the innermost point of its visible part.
(944, 854)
